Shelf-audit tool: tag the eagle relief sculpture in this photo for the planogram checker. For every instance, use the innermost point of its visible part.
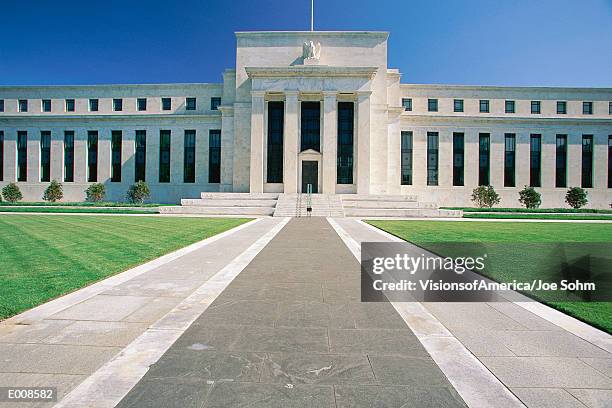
(311, 52)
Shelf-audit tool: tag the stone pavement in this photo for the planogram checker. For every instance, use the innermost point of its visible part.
(62, 342)
(290, 331)
(540, 362)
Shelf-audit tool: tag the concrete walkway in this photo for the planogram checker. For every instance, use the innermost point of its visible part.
(543, 364)
(290, 331)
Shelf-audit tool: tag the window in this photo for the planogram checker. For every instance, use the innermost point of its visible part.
(274, 169)
(484, 106)
(23, 105)
(69, 105)
(535, 107)
(561, 161)
(458, 158)
(22, 156)
(164, 156)
(535, 160)
(92, 156)
(1, 155)
(117, 104)
(346, 115)
(46, 105)
(509, 159)
(190, 104)
(93, 105)
(561, 107)
(587, 161)
(45, 156)
(69, 156)
(214, 156)
(141, 156)
(2, 106)
(311, 123)
(609, 160)
(215, 102)
(166, 104)
(432, 158)
(609, 107)
(141, 104)
(116, 142)
(432, 105)
(189, 157)
(484, 158)
(510, 107)
(407, 104)
(587, 108)
(458, 105)
(406, 158)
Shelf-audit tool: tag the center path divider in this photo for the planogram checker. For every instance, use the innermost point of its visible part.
(290, 331)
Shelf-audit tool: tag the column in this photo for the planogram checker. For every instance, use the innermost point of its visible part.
(330, 142)
(363, 142)
(257, 141)
(290, 143)
(227, 148)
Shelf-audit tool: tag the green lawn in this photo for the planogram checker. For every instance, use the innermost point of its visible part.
(532, 210)
(43, 257)
(77, 204)
(426, 233)
(79, 210)
(534, 216)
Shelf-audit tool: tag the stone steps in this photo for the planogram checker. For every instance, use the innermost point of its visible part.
(227, 202)
(235, 210)
(386, 204)
(239, 196)
(400, 212)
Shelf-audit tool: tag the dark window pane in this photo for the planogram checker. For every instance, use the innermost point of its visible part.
(587, 108)
(407, 104)
(1, 155)
(166, 104)
(92, 156)
(45, 156)
(23, 105)
(2, 105)
(116, 143)
(510, 107)
(509, 159)
(432, 105)
(117, 104)
(561, 161)
(587, 161)
(535, 155)
(141, 104)
(484, 158)
(215, 102)
(311, 123)
(609, 162)
(432, 158)
(46, 105)
(69, 156)
(561, 107)
(458, 158)
(346, 124)
(190, 104)
(189, 156)
(406, 158)
(69, 105)
(164, 156)
(458, 105)
(535, 106)
(22, 156)
(274, 168)
(214, 156)
(484, 106)
(93, 105)
(141, 155)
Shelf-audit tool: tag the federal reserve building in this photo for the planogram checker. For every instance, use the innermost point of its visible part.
(317, 112)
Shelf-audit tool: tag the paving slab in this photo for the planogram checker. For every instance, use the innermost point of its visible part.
(63, 383)
(547, 398)
(288, 331)
(593, 398)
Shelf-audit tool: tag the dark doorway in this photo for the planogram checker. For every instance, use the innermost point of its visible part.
(310, 175)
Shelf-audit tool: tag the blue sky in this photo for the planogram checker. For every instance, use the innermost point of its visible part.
(483, 42)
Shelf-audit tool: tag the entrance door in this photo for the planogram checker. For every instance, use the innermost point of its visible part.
(310, 175)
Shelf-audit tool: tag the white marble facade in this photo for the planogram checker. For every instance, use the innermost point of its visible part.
(298, 67)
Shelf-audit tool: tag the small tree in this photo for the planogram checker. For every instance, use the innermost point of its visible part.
(576, 197)
(138, 192)
(11, 193)
(529, 197)
(485, 196)
(95, 192)
(54, 192)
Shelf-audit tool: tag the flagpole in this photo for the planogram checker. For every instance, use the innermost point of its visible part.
(311, 15)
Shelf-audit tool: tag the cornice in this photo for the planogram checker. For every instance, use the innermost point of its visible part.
(505, 120)
(44, 118)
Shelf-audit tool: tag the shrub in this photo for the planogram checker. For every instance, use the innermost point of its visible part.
(529, 197)
(138, 192)
(485, 196)
(54, 192)
(11, 193)
(576, 197)
(95, 192)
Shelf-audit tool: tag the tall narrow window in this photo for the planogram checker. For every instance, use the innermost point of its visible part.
(432, 158)
(2, 106)
(22, 156)
(346, 112)
(609, 161)
(46, 105)
(116, 143)
(1, 155)
(45, 156)
(215, 102)
(164, 156)
(407, 104)
(458, 158)
(92, 156)
(189, 157)
(587, 108)
(190, 104)
(535, 160)
(536, 107)
(510, 107)
(214, 156)
(69, 105)
(509, 159)
(276, 114)
(587, 161)
(93, 105)
(141, 156)
(311, 125)
(561, 107)
(406, 158)
(484, 106)
(484, 158)
(23, 105)
(69, 156)
(561, 161)
(458, 105)
(166, 104)
(432, 105)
